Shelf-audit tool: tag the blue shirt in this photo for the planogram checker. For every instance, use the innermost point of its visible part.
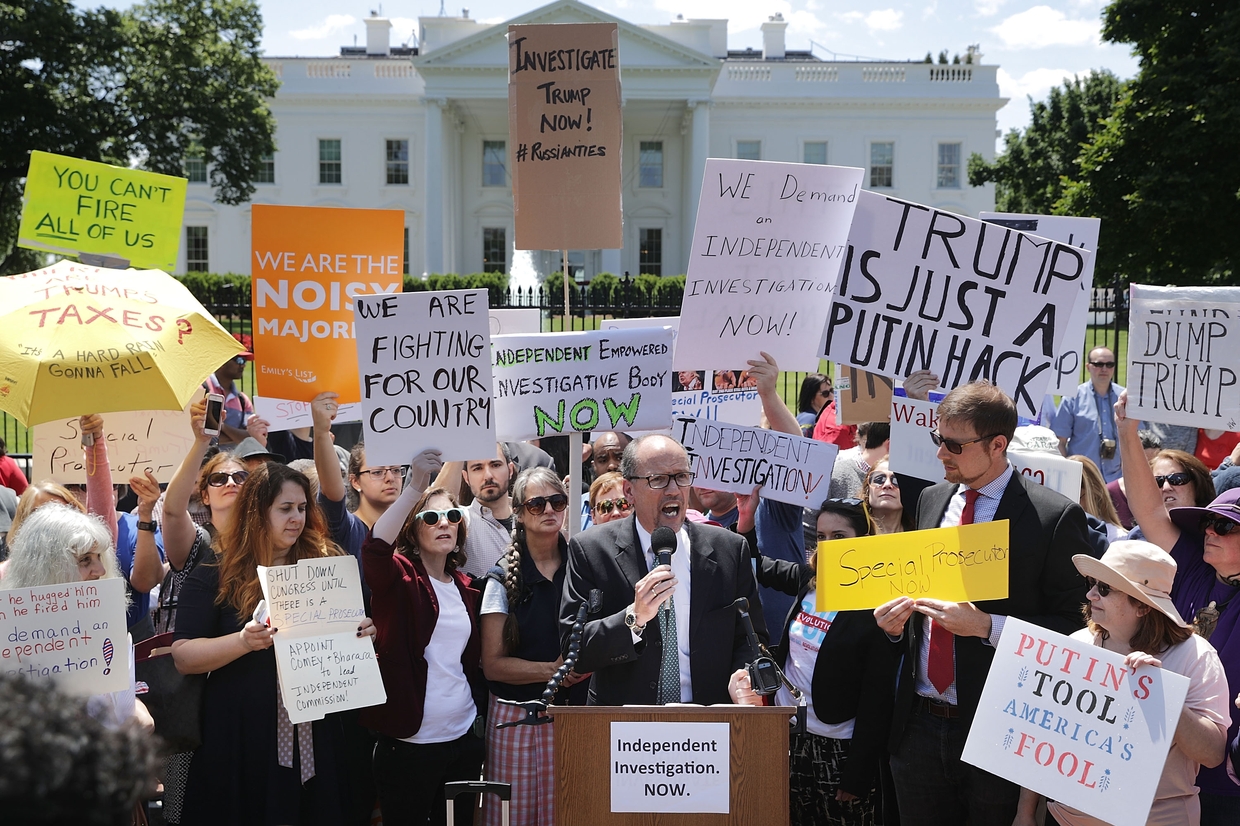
(1078, 422)
(126, 544)
(778, 525)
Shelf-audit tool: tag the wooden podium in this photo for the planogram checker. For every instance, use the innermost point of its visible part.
(758, 774)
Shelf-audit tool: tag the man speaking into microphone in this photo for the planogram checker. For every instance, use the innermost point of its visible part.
(665, 633)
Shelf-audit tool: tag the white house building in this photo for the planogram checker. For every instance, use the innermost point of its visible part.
(424, 130)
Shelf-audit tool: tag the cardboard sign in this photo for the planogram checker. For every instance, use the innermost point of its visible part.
(1067, 719)
(926, 289)
(322, 664)
(1183, 347)
(968, 563)
(861, 396)
(138, 440)
(912, 452)
(1055, 472)
(695, 394)
(564, 119)
(766, 251)
(555, 383)
(671, 767)
(73, 206)
(735, 458)
(73, 634)
(507, 322)
(308, 265)
(1075, 232)
(283, 414)
(425, 366)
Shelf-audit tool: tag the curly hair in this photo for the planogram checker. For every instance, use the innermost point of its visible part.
(26, 505)
(407, 542)
(247, 542)
(47, 550)
(509, 564)
(61, 766)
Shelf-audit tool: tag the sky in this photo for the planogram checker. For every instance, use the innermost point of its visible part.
(1035, 43)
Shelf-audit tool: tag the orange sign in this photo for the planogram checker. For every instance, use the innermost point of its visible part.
(308, 263)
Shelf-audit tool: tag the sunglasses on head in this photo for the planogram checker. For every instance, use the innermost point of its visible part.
(431, 517)
(1176, 479)
(1104, 590)
(608, 505)
(1219, 524)
(219, 479)
(1105, 365)
(952, 445)
(538, 504)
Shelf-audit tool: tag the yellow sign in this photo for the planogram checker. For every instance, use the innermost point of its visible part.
(964, 564)
(74, 206)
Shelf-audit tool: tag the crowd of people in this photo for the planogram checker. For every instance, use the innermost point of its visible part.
(472, 586)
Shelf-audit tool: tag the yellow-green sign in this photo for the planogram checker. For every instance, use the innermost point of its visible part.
(74, 206)
(963, 564)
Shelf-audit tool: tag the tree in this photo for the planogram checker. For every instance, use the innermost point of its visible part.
(143, 87)
(1164, 173)
(1030, 174)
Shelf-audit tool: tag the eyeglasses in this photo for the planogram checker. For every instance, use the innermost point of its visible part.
(220, 479)
(1178, 480)
(1219, 524)
(538, 504)
(1105, 365)
(431, 518)
(880, 479)
(378, 473)
(952, 445)
(658, 481)
(608, 456)
(1104, 590)
(608, 505)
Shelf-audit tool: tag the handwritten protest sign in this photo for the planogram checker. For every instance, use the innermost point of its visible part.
(963, 564)
(308, 265)
(1067, 719)
(556, 383)
(1075, 232)
(74, 206)
(73, 634)
(735, 458)
(425, 367)
(1055, 472)
(138, 440)
(861, 396)
(285, 414)
(564, 119)
(1183, 348)
(926, 289)
(322, 664)
(694, 392)
(766, 252)
(507, 322)
(912, 453)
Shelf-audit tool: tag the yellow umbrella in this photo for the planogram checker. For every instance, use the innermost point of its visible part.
(77, 340)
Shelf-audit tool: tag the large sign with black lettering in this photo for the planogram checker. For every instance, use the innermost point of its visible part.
(766, 251)
(1183, 353)
(926, 289)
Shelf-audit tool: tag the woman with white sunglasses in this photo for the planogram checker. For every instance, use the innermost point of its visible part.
(428, 646)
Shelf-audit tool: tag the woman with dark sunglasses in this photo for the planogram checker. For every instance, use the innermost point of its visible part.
(428, 645)
(607, 502)
(1204, 541)
(881, 494)
(521, 648)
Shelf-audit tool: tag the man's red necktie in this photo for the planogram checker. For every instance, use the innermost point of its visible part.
(942, 665)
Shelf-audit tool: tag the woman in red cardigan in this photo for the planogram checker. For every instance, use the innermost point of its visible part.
(428, 646)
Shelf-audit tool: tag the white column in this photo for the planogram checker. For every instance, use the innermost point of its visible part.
(433, 221)
(699, 150)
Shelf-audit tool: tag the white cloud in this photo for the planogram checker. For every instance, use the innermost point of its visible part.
(930, 10)
(805, 22)
(884, 20)
(988, 8)
(1035, 84)
(1043, 26)
(404, 29)
(333, 24)
(851, 16)
(742, 15)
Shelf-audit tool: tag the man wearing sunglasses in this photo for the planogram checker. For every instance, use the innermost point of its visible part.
(690, 653)
(1085, 423)
(605, 455)
(237, 406)
(949, 646)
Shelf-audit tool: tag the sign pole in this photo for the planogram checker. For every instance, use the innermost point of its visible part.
(564, 272)
(574, 484)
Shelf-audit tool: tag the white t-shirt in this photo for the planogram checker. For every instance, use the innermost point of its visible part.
(449, 710)
(805, 637)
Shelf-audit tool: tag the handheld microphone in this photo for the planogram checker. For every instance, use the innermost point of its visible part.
(764, 674)
(663, 544)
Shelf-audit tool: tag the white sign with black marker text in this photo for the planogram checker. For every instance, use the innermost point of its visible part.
(138, 440)
(671, 767)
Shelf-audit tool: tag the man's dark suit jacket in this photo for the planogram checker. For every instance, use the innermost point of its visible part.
(610, 558)
(1044, 587)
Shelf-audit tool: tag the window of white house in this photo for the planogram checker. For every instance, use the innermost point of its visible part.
(814, 152)
(397, 152)
(494, 249)
(196, 169)
(494, 164)
(329, 161)
(650, 260)
(949, 166)
(196, 259)
(651, 164)
(882, 164)
(749, 150)
(266, 170)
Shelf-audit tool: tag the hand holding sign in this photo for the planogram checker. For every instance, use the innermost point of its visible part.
(964, 619)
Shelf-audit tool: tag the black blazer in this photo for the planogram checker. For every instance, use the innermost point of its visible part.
(609, 558)
(854, 674)
(1044, 587)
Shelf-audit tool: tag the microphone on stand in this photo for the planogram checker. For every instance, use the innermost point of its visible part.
(765, 675)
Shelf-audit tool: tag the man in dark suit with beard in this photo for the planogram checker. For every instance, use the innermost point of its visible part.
(949, 646)
(624, 642)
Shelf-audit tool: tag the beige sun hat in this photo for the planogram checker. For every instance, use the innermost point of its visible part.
(1140, 569)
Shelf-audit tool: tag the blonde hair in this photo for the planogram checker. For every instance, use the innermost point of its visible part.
(54, 538)
(1095, 499)
(26, 505)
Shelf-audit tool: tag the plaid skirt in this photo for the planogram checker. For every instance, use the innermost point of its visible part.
(525, 757)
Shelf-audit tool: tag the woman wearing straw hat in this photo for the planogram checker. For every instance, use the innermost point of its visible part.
(1130, 613)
